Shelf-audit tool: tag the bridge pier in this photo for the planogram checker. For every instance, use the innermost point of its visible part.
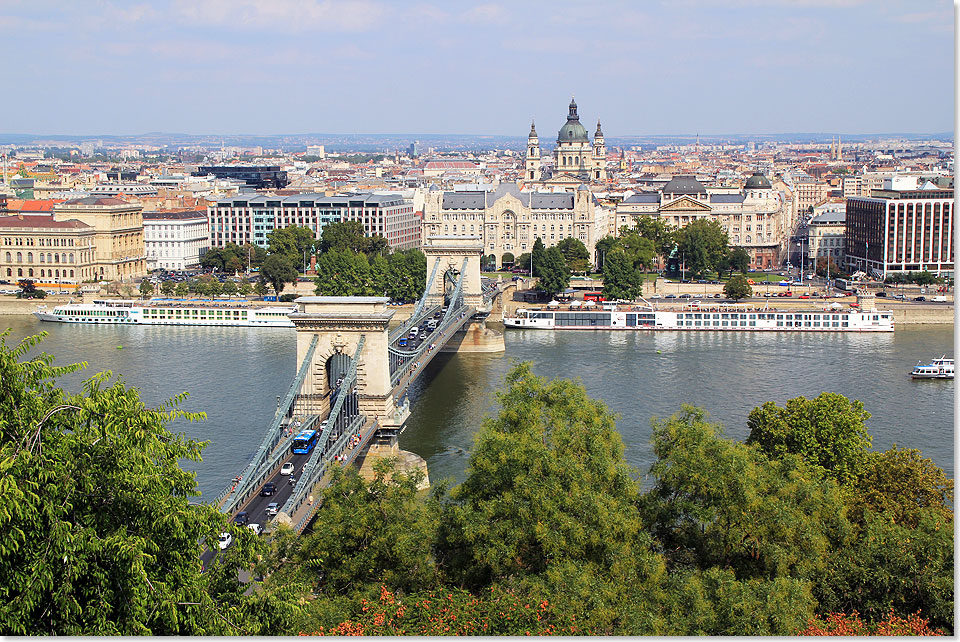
(406, 461)
(476, 337)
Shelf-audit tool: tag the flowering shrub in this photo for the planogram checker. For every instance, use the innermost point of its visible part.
(843, 624)
(456, 612)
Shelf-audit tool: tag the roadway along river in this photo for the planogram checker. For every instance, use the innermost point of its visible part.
(236, 374)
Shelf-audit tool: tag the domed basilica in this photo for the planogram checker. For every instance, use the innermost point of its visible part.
(575, 158)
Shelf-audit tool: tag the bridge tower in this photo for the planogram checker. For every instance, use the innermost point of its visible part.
(339, 322)
(450, 252)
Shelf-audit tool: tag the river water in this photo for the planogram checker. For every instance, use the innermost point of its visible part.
(236, 374)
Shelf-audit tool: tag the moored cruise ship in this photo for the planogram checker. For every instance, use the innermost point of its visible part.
(739, 319)
(169, 312)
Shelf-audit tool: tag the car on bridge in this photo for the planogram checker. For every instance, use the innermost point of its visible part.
(226, 539)
(273, 508)
(269, 489)
(287, 468)
(402, 342)
(241, 518)
(256, 528)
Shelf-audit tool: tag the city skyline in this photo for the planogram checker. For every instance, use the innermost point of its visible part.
(245, 67)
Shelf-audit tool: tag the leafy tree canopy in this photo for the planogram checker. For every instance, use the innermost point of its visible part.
(575, 254)
(704, 246)
(553, 272)
(737, 287)
(277, 270)
(621, 280)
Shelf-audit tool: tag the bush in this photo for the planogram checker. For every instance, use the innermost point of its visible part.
(287, 298)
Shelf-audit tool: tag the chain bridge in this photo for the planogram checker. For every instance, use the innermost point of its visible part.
(350, 388)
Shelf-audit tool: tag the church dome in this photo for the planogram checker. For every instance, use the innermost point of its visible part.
(684, 185)
(573, 131)
(757, 181)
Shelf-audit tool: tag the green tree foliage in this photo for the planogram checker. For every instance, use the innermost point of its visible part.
(260, 288)
(146, 287)
(902, 485)
(662, 234)
(244, 288)
(168, 287)
(538, 256)
(828, 431)
(602, 247)
(233, 257)
(737, 287)
(621, 280)
(835, 270)
(523, 261)
(342, 273)
(99, 533)
(229, 287)
(407, 275)
(548, 494)
(738, 260)
(379, 275)
(182, 289)
(639, 250)
(488, 263)
(29, 291)
(277, 270)
(719, 503)
(553, 272)
(293, 243)
(349, 235)
(575, 254)
(704, 246)
(371, 533)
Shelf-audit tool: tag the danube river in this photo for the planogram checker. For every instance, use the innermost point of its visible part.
(236, 374)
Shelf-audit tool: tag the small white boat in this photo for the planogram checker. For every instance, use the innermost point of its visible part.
(941, 368)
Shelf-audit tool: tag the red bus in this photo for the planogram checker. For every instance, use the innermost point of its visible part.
(593, 296)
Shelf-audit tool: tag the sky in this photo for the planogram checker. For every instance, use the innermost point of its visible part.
(480, 68)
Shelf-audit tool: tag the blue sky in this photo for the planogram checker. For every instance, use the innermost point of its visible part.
(448, 67)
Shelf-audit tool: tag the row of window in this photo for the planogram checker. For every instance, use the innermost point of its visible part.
(45, 273)
(49, 257)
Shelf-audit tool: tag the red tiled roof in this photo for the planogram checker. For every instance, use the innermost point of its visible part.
(32, 205)
(8, 222)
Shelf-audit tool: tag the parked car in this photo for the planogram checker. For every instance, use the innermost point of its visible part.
(881, 294)
(287, 468)
(273, 508)
(226, 539)
(269, 489)
(919, 298)
(686, 296)
(804, 296)
(900, 297)
(656, 296)
(241, 518)
(670, 296)
(256, 528)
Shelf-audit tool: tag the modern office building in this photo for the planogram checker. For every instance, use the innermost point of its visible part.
(509, 221)
(901, 228)
(256, 176)
(249, 220)
(175, 240)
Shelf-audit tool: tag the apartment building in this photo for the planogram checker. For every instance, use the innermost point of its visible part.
(175, 240)
(39, 247)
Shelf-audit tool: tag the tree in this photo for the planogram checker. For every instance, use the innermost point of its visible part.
(278, 270)
(828, 431)
(549, 497)
(100, 535)
(523, 262)
(602, 247)
(738, 260)
(292, 242)
(347, 235)
(371, 533)
(343, 273)
(704, 246)
(214, 287)
(663, 235)
(29, 291)
(537, 257)
(737, 287)
(244, 288)
(407, 275)
(168, 287)
(182, 289)
(488, 263)
(260, 288)
(640, 251)
(379, 275)
(719, 503)
(553, 273)
(834, 271)
(575, 254)
(229, 287)
(621, 280)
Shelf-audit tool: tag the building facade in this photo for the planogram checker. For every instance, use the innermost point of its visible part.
(41, 248)
(809, 193)
(826, 234)
(509, 221)
(249, 220)
(175, 240)
(118, 227)
(256, 176)
(905, 230)
(755, 217)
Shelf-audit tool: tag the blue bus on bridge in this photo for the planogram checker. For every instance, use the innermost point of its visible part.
(304, 442)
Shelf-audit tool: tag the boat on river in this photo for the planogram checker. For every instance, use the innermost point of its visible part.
(697, 317)
(941, 368)
(170, 312)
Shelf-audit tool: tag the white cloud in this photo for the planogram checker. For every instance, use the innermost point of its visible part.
(292, 15)
(486, 14)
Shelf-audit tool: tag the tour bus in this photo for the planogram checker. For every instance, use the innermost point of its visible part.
(304, 442)
(843, 284)
(596, 297)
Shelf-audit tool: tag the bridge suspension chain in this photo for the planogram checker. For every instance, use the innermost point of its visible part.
(270, 439)
(415, 316)
(311, 470)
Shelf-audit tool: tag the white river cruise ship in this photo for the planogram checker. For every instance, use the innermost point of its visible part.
(703, 318)
(170, 312)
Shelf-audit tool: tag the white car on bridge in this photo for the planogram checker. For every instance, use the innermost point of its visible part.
(287, 468)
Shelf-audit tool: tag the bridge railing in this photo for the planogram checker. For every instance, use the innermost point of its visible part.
(418, 310)
(270, 439)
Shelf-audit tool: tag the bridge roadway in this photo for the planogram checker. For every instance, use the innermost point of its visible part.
(407, 363)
